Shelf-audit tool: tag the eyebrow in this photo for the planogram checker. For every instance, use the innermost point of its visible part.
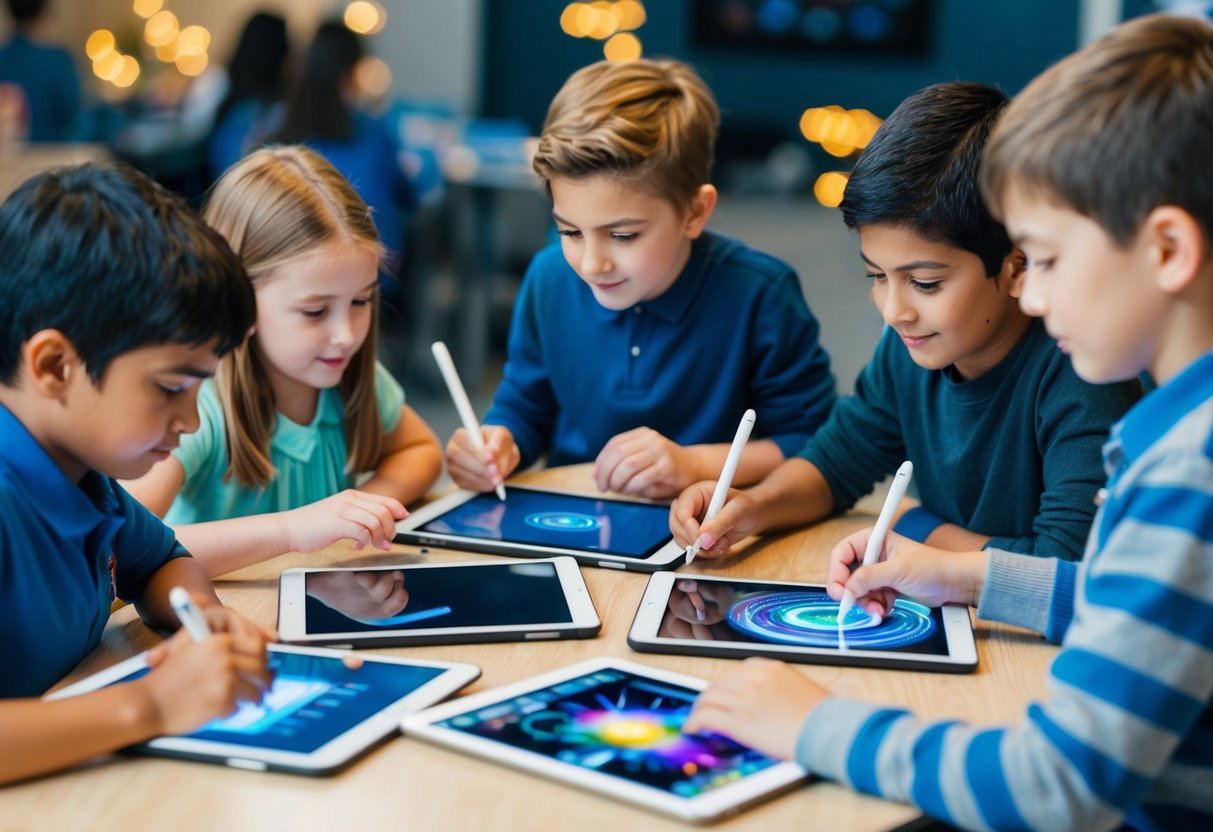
(913, 265)
(606, 226)
(365, 288)
(187, 370)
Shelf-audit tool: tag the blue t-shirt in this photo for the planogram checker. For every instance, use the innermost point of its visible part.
(52, 88)
(733, 332)
(310, 459)
(67, 550)
(1013, 454)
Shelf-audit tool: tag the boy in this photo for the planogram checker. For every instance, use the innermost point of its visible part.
(1003, 435)
(117, 301)
(641, 340)
(1095, 170)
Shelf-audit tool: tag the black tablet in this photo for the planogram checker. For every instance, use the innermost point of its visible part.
(436, 603)
(535, 522)
(735, 618)
(318, 716)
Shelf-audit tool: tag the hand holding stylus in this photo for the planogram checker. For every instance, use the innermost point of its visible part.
(468, 416)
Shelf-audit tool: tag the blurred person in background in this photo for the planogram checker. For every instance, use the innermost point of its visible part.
(45, 75)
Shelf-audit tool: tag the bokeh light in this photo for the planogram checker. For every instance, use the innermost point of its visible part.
(108, 65)
(147, 8)
(193, 40)
(191, 64)
(161, 29)
(631, 14)
(570, 20)
(829, 188)
(365, 17)
(622, 47)
(603, 19)
(372, 76)
(840, 132)
(167, 53)
(128, 74)
(99, 44)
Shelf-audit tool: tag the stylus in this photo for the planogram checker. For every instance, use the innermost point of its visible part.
(726, 474)
(188, 613)
(901, 481)
(468, 416)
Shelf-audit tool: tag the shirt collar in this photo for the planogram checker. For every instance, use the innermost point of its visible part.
(299, 441)
(74, 510)
(1155, 415)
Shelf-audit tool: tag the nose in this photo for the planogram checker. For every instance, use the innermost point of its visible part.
(594, 261)
(1031, 294)
(185, 418)
(890, 298)
(341, 329)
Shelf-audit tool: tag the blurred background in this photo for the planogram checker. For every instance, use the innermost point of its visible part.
(429, 107)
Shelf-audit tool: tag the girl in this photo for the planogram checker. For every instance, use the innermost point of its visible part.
(297, 412)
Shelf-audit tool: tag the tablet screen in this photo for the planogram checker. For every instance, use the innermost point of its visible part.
(617, 723)
(350, 601)
(793, 616)
(313, 700)
(563, 521)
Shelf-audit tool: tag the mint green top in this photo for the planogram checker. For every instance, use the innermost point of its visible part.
(310, 458)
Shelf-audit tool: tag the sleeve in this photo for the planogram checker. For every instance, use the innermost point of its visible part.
(1024, 591)
(792, 386)
(1073, 422)
(524, 401)
(389, 397)
(206, 447)
(143, 544)
(1130, 683)
(862, 442)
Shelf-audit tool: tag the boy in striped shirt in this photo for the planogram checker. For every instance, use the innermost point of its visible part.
(1096, 171)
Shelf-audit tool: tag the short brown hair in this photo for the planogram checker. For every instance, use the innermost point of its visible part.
(652, 123)
(275, 207)
(1116, 129)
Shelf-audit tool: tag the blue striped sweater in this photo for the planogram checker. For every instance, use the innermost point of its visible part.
(1125, 735)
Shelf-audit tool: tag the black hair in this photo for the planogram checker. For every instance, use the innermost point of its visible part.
(115, 262)
(23, 11)
(315, 108)
(921, 170)
(256, 70)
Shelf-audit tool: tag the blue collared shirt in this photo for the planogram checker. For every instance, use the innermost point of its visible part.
(733, 332)
(67, 550)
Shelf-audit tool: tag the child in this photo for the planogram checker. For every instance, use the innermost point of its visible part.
(1003, 435)
(117, 299)
(1095, 170)
(303, 407)
(641, 340)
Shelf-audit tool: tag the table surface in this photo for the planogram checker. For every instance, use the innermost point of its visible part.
(409, 784)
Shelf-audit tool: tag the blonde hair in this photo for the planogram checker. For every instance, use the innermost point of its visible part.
(652, 123)
(274, 207)
(1116, 129)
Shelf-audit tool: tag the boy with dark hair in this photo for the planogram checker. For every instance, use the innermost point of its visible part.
(1003, 435)
(1096, 171)
(117, 300)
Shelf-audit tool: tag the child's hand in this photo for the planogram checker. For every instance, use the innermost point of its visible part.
(354, 515)
(192, 683)
(736, 520)
(763, 706)
(643, 462)
(482, 469)
(931, 576)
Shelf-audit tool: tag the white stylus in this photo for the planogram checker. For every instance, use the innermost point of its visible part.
(468, 416)
(901, 481)
(726, 474)
(188, 614)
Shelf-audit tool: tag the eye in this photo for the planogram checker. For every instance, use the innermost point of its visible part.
(314, 314)
(1044, 265)
(570, 233)
(362, 301)
(170, 390)
(874, 275)
(925, 287)
(624, 236)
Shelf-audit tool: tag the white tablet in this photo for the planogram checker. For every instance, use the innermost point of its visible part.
(318, 716)
(436, 603)
(536, 522)
(734, 618)
(613, 727)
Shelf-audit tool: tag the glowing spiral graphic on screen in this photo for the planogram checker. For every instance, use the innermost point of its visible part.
(811, 619)
(563, 521)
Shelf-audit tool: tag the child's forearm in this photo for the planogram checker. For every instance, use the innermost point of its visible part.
(223, 546)
(41, 737)
(190, 573)
(408, 473)
(760, 457)
(956, 538)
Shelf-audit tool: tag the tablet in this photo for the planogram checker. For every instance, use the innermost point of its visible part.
(436, 603)
(734, 618)
(318, 716)
(613, 727)
(537, 522)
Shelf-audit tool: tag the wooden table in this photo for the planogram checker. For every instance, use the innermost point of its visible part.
(407, 784)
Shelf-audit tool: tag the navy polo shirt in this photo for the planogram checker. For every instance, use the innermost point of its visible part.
(66, 551)
(733, 332)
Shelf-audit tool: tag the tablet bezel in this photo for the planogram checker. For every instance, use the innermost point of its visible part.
(333, 755)
(718, 802)
(643, 638)
(585, 621)
(668, 556)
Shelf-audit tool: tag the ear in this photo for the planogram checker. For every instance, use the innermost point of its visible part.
(1014, 269)
(698, 211)
(1177, 248)
(50, 362)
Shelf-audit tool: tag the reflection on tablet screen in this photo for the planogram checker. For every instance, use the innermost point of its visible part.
(748, 613)
(563, 521)
(313, 700)
(619, 724)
